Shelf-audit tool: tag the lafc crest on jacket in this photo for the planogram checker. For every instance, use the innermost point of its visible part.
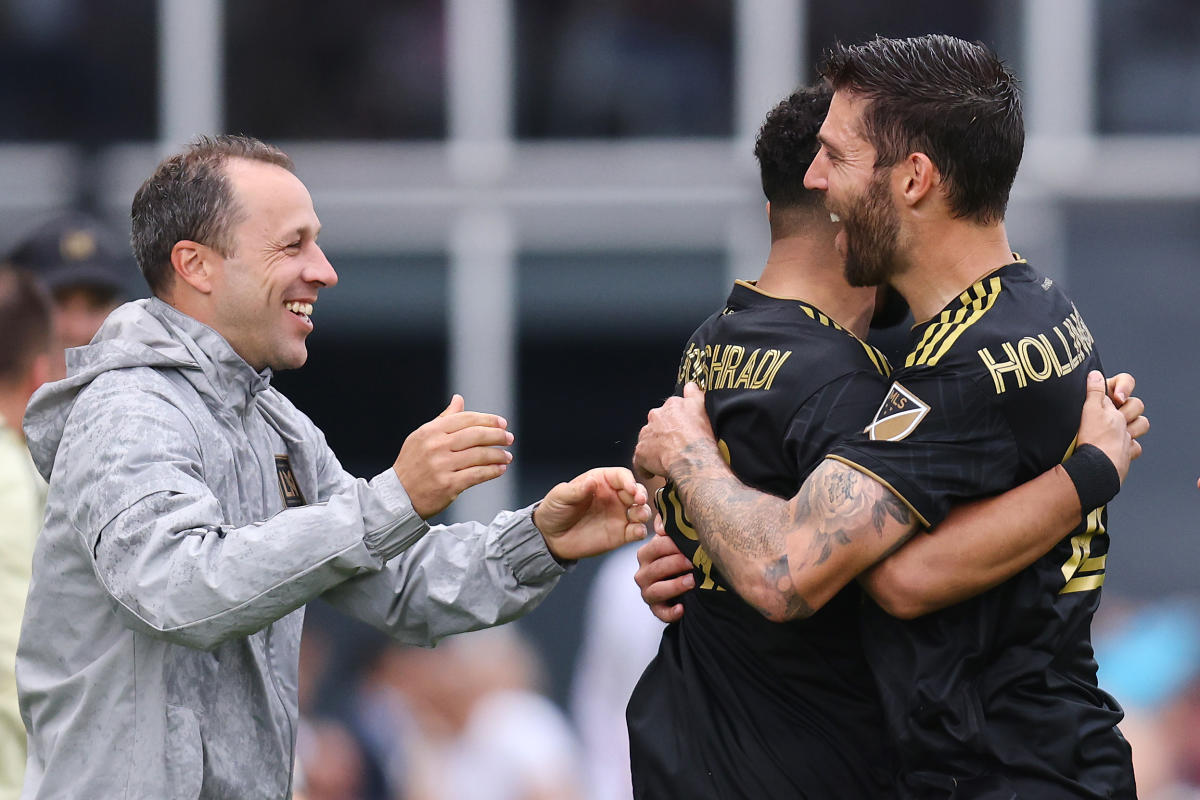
(288, 487)
(898, 416)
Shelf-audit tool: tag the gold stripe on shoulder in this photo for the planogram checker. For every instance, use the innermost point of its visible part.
(820, 316)
(977, 301)
(871, 354)
(920, 518)
(934, 334)
(887, 364)
(877, 358)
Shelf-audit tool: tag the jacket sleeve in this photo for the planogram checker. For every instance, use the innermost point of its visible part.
(161, 547)
(457, 578)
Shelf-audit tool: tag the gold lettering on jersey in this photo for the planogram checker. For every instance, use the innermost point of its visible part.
(682, 524)
(725, 363)
(694, 367)
(704, 563)
(743, 379)
(670, 508)
(1038, 358)
(727, 366)
(768, 365)
(769, 378)
(1083, 572)
(898, 415)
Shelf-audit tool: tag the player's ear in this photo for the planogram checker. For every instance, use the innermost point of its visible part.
(916, 177)
(194, 264)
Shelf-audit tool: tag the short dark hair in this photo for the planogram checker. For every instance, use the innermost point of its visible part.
(952, 100)
(188, 197)
(787, 144)
(25, 322)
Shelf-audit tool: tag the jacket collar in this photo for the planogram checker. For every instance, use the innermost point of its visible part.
(227, 374)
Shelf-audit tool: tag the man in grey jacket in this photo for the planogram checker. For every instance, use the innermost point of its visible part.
(193, 510)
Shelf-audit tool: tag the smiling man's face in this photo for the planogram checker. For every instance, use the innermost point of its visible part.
(264, 291)
(856, 193)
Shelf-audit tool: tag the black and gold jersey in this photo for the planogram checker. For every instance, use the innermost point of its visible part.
(997, 696)
(734, 706)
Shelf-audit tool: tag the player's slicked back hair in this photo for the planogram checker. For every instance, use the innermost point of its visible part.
(25, 323)
(786, 145)
(189, 197)
(954, 101)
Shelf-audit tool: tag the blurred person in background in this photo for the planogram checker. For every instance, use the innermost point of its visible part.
(85, 266)
(27, 351)
(1149, 658)
(620, 637)
(472, 722)
(193, 511)
(331, 763)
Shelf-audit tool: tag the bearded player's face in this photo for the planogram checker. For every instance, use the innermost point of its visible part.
(856, 193)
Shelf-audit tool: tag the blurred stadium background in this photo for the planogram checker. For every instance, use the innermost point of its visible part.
(532, 202)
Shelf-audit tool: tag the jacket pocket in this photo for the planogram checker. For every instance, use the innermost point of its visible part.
(184, 753)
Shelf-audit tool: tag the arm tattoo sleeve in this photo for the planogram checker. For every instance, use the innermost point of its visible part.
(749, 534)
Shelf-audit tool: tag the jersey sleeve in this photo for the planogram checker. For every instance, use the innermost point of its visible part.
(841, 408)
(935, 440)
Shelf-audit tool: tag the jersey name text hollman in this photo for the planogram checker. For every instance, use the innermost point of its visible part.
(1036, 358)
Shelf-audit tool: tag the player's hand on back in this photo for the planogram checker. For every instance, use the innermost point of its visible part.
(593, 513)
(1120, 392)
(664, 573)
(677, 423)
(454, 451)
(1114, 430)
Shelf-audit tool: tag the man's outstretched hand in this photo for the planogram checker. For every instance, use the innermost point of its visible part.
(452, 452)
(595, 512)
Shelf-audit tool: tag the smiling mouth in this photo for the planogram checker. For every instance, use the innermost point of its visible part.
(302, 310)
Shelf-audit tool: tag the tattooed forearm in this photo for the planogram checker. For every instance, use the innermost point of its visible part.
(779, 576)
(743, 530)
(736, 518)
(777, 554)
(888, 505)
(837, 503)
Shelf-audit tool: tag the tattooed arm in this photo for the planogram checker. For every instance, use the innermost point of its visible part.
(786, 558)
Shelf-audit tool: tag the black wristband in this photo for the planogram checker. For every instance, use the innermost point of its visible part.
(1095, 477)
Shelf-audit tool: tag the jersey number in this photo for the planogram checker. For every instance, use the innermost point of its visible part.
(1083, 571)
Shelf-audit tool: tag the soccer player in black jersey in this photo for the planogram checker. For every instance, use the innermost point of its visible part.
(736, 706)
(994, 697)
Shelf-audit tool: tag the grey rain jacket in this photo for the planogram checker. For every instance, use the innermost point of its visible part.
(159, 651)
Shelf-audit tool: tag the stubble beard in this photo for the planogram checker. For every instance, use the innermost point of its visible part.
(872, 231)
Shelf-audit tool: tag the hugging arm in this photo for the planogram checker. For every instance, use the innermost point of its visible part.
(787, 557)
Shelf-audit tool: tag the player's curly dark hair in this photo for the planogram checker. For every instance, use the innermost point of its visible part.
(786, 145)
(952, 100)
